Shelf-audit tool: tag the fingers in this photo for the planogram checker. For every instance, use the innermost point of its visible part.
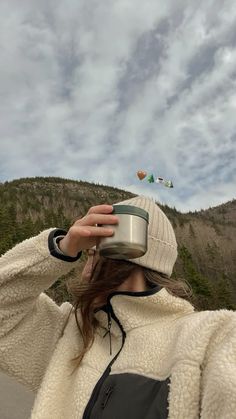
(93, 219)
(85, 231)
(95, 231)
(97, 215)
(83, 237)
(101, 209)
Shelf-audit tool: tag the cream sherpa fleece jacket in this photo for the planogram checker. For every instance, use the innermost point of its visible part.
(164, 338)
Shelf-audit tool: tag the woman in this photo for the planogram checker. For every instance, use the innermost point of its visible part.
(130, 347)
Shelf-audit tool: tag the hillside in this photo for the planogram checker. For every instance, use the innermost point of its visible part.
(206, 239)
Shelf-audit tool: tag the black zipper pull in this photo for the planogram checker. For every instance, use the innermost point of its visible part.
(107, 395)
(108, 328)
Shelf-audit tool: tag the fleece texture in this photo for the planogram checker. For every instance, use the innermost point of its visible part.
(165, 337)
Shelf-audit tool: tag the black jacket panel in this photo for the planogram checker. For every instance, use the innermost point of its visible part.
(131, 396)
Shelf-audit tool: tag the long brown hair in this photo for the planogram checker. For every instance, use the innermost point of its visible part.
(107, 276)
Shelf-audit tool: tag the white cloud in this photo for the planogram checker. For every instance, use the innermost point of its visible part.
(96, 91)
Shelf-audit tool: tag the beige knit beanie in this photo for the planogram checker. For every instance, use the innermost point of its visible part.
(161, 254)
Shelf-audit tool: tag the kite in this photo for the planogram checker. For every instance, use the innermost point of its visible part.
(142, 174)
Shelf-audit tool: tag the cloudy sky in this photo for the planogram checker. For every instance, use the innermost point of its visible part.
(96, 90)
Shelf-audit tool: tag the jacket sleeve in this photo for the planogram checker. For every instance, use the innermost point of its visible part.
(219, 372)
(30, 322)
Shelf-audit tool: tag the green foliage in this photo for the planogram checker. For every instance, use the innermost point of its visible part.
(30, 205)
(191, 230)
(212, 251)
(183, 219)
(7, 227)
(199, 283)
(208, 294)
(223, 292)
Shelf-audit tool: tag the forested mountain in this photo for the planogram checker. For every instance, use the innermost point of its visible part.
(206, 239)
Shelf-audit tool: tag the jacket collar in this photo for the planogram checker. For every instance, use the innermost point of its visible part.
(137, 309)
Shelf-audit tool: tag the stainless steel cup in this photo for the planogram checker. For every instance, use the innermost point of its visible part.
(130, 234)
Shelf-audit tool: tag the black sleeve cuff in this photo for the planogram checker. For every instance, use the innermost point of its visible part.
(52, 248)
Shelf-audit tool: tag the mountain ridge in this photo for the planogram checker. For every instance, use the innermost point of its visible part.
(206, 244)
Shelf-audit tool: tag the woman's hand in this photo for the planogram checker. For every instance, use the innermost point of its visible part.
(84, 233)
